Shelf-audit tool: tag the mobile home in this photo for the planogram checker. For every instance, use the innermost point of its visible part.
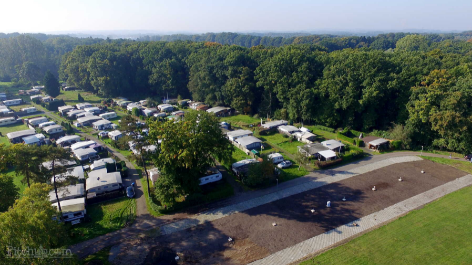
(44, 124)
(108, 115)
(67, 193)
(85, 154)
(37, 121)
(276, 158)
(88, 120)
(12, 102)
(64, 109)
(29, 110)
(17, 137)
(102, 125)
(94, 110)
(7, 121)
(81, 145)
(101, 163)
(72, 210)
(84, 114)
(68, 140)
(73, 113)
(212, 175)
(99, 181)
(83, 105)
(53, 129)
(115, 135)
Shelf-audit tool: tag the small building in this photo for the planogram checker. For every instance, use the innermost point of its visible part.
(276, 158)
(108, 115)
(45, 124)
(115, 135)
(178, 113)
(249, 142)
(170, 101)
(148, 112)
(99, 182)
(84, 114)
(242, 167)
(233, 135)
(274, 124)
(143, 102)
(74, 172)
(202, 107)
(312, 150)
(101, 163)
(93, 110)
(123, 103)
(37, 121)
(327, 155)
(305, 137)
(48, 164)
(88, 120)
(334, 145)
(17, 137)
(287, 129)
(51, 129)
(7, 121)
(81, 145)
(194, 105)
(37, 87)
(154, 174)
(219, 111)
(83, 105)
(168, 108)
(131, 106)
(68, 192)
(211, 175)
(85, 154)
(68, 140)
(33, 92)
(29, 110)
(12, 102)
(183, 102)
(72, 114)
(47, 99)
(36, 97)
(65, 109)
(72, 210)
(378, 144)
(160, 115)
(102, 125)
(31, 140)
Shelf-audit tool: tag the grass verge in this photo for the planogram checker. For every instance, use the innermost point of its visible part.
(105, 217)
(439, 233)
(461, 165)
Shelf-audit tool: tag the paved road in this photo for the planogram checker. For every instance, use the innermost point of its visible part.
(145, 223)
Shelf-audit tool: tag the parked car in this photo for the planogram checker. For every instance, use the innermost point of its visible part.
(130, 191)
(468, 157)
(285, 164)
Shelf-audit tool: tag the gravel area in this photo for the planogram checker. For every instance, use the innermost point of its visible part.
(254, 236)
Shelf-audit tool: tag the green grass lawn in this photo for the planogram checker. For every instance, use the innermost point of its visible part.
(280, 141)
(461, 165)
(71, 97)
(439, 233)
(11, 128)
(240, 120)
(106, 217)
(19, 107)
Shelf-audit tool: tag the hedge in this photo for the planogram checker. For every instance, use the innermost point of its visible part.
(323, 128)
(397, 144)
(360, 143)
(53, 105)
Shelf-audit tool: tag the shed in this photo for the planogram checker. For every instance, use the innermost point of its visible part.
(233, 135)
(249, 142)
(31, 140)
(327, 155)
(219, 111)
(274, 124)
(378, 144)
(287, 129)
(334, 145)
(312, 150)
(115, 135)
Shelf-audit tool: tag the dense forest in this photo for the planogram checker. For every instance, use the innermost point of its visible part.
(419, 85)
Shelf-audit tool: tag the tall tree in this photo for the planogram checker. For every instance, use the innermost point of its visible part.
(9, 192)
(187, 150)
(51, 85)
(27, 160)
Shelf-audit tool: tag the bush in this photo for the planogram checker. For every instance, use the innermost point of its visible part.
(324, 128)
(397, 145)
(256, 116)
(53, 105)
(360, 143)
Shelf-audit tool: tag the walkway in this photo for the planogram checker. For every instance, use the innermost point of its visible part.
(318, 243)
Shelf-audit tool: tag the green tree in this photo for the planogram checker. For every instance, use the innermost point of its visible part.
(80, 98)
(259, 173)
(29, 72)
(9, 192)
(27, 160)
(187, 150)
(29, 224)
(412, 43)
(135, 112)
(51, 85)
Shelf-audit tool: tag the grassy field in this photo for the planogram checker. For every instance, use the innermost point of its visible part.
(462, 165)
(437, 234)
(19, 107)
(106, 217)
(240, 120)
(108, 141)
(279, 140)
(71, 97)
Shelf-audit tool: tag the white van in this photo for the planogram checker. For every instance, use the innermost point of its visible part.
(276, 158)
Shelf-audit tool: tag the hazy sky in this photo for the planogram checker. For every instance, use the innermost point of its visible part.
(231, 15)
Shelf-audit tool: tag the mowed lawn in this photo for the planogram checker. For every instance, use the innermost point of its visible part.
(71, 97)
(437, 234)
(105, 217)
(11, 128)
(282, 142)
(240, 120)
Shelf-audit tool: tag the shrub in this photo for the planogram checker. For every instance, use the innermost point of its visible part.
(360, 143)
(397, 145)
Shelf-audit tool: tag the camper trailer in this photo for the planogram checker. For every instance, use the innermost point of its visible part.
(53, 129)
(81, 145)
(12, 102)
(37, 121)
(108, 115)
(99, 181)
(212, 175)
(85, 154)
(29, 110)
(276, 158)
(68, 140)
(72, 210)
(7, 121)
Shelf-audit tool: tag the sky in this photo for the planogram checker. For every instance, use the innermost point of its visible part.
(200, 16)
